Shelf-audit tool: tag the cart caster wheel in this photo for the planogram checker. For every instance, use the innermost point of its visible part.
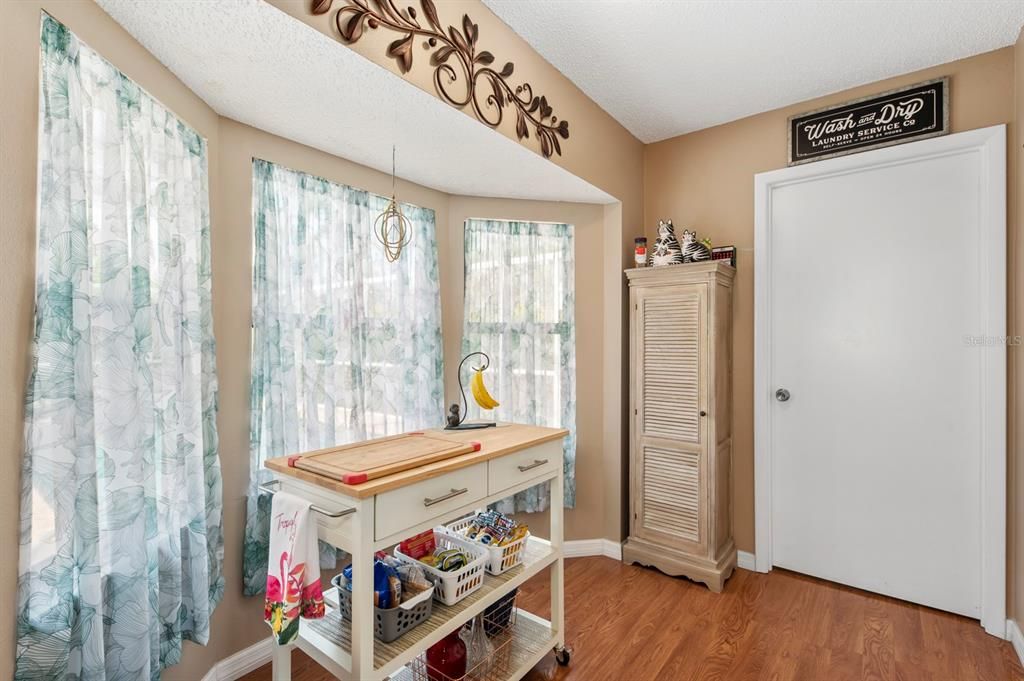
(562, 656)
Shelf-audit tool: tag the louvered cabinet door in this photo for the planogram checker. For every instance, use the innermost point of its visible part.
(670, 391)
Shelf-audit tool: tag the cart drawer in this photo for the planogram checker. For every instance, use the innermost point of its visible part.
(424, 501)
(508, 471)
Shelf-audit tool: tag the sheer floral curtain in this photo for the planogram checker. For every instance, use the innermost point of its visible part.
(346, 346)
(121, 544)
(520, 310)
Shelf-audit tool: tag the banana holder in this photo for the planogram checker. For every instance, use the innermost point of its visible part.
(455, 419)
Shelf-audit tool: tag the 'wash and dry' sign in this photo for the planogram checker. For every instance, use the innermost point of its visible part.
(878, 121)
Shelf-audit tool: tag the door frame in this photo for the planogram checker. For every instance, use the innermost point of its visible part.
(990, 144)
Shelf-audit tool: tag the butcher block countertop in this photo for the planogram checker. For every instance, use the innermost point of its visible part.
(504, 439)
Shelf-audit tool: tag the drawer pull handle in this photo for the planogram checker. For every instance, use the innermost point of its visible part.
(446, 497)
(536, 462)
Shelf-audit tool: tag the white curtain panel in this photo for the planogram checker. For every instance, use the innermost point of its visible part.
(520, 310)
(121, 544)
(346, 346)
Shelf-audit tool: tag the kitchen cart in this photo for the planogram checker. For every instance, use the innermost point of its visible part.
(375, 515)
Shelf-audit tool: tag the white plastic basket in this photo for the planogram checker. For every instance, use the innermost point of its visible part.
(452, 587)
(499, 558)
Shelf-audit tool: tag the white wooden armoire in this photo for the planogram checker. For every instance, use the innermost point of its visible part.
(680, 460)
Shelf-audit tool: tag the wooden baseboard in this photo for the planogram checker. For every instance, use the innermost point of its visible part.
(244, 661)
(580, 548)
(1013, 633)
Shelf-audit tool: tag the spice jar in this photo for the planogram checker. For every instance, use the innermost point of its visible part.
(640, 251)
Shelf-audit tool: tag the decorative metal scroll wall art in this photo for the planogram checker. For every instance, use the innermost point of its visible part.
(483, 87)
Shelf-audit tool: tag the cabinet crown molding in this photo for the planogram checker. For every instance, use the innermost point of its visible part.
(676, 274)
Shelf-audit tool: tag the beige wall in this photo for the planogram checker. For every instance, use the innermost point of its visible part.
(587, 520)
(705, 180)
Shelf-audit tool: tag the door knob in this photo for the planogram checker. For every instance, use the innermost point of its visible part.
(782, 395)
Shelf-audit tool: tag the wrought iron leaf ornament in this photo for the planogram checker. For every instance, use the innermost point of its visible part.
(463, 75)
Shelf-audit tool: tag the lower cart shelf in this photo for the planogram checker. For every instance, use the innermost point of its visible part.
(531, 639)
(328, 640)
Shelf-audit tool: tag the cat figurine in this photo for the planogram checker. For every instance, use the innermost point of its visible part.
(667, 250)
(693, 250)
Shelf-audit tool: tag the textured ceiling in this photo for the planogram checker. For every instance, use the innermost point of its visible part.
(251, 62)
(666, 67)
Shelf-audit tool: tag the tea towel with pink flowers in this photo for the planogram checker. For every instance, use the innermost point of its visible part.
(293, 575)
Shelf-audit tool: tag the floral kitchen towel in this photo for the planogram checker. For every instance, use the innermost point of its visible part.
(293, 575)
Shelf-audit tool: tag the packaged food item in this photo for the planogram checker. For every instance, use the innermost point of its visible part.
(450, 560)
(493, 528)
(387, 585)
(419, 545)
(423, 547)
(517, 533)
(413, 577)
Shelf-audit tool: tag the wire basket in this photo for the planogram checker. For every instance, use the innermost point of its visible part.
(497, 666)
(499, 558)
(452, 587)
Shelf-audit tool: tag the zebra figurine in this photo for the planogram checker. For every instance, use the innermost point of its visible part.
(666, 247)
(693, 250)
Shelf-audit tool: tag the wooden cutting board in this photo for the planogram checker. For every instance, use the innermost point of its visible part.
(362, 461)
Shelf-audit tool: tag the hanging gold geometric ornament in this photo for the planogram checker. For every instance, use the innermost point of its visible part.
(392, 227)
(392, 230)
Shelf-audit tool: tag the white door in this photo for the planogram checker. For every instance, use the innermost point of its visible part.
(878, 283)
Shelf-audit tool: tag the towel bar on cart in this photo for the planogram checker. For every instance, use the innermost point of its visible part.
(275, 485)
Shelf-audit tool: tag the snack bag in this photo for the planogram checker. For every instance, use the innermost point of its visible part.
(387, 585)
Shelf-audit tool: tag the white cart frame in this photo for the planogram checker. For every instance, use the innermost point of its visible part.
(348, 523)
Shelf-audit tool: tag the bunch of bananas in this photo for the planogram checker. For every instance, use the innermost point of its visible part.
(480, 394)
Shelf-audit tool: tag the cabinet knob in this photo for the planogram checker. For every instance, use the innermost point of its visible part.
(782, 395)
(703, 413)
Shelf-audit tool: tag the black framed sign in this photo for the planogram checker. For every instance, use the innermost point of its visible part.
(894, 117)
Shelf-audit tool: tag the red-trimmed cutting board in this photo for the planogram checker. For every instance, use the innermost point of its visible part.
(362, 461)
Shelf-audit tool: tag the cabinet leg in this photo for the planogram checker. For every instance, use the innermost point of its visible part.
(362, 594)
(556, 515)
(281, 662)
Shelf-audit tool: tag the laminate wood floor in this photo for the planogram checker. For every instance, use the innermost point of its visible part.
(627, 623)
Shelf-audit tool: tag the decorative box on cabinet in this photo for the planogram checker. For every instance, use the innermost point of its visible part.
(680, 459)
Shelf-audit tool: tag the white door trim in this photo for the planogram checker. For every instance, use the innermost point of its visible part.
(990, 143)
